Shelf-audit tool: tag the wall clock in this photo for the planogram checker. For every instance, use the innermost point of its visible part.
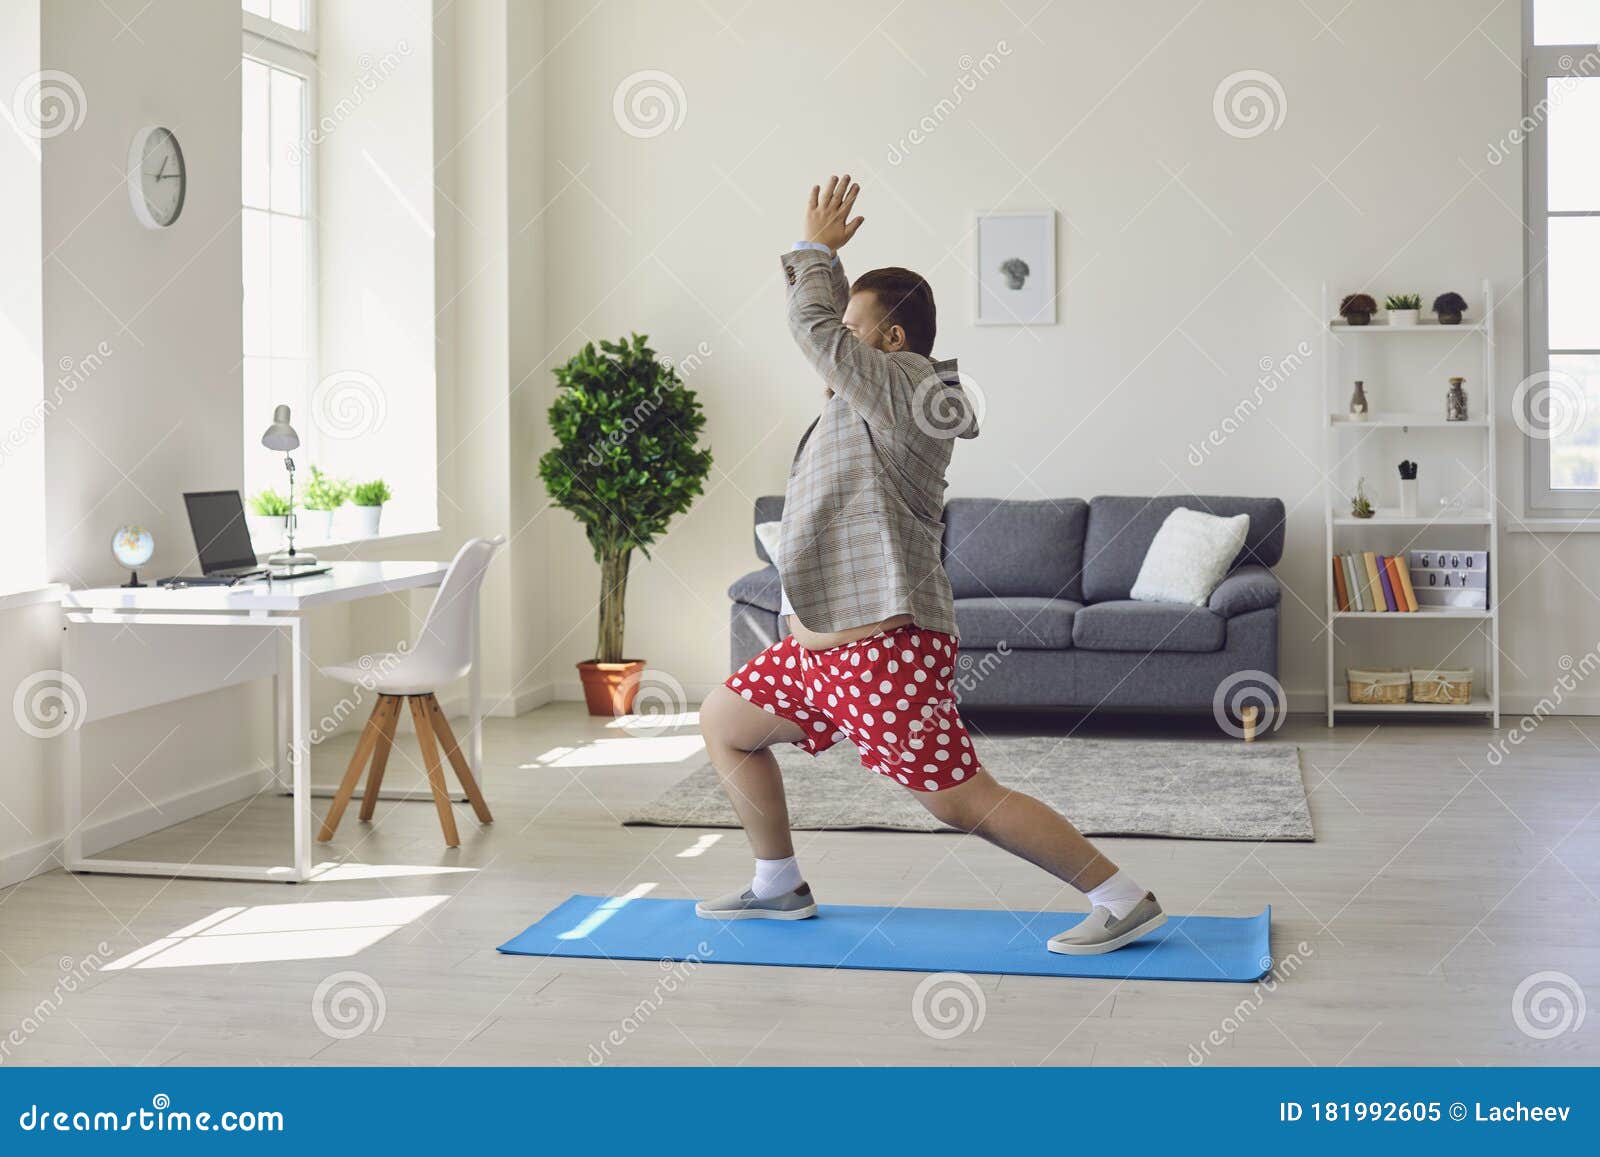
(157, 178)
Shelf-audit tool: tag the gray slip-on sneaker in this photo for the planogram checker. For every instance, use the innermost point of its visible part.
(795, 905)
(1100, 931)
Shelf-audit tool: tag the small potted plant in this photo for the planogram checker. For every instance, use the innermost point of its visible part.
(1449, 307)
(267, 517)
(324, 495)
(1357, 308)
(1404, 308)
(627, 459)
(368, 498)
(1361, 506)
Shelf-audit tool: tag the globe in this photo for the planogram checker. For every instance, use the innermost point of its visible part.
(132, 547)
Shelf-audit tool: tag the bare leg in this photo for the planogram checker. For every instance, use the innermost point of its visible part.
(738, 737)
(1022, 826)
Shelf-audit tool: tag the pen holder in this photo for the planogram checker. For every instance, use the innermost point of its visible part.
(1408, 497)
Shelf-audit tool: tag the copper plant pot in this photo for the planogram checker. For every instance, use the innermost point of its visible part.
(609, 688)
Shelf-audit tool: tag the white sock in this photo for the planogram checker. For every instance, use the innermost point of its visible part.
(1120, 894)
(775, 877)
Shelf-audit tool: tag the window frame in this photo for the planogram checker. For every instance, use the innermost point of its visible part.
(1541, 63)
(293, 51)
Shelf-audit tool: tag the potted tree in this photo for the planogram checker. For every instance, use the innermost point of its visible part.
(368, 499)
(1449, 307)
(626, 460)
(1357, 308)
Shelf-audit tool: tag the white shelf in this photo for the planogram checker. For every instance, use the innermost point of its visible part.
(1391, 516)
(1412, 421)
(1480, 705)
(1424, 326)
(1469, 615)
(1338, 450)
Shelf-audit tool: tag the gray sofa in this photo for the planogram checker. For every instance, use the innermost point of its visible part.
(1041, 598)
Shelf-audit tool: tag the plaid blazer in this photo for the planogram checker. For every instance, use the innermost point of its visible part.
(864, 506)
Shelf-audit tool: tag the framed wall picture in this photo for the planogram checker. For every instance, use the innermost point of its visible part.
(1016, 266)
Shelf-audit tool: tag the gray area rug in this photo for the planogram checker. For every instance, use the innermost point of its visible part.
(1223, 790)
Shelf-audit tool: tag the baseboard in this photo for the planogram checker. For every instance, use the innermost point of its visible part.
(501, 704)
(45, 855)
(694, 694)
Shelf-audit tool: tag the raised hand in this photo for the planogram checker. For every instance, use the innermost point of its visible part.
(828, 213)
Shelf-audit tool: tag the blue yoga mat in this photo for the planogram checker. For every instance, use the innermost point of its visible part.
(898, 939)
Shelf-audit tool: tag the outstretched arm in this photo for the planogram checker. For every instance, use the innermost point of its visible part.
(818, 294)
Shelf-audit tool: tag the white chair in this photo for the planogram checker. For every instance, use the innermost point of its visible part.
(441, 655)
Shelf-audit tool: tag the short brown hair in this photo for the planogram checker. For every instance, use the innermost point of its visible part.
(906, 299)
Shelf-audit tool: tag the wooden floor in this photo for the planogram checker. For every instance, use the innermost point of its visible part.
(1438, 884)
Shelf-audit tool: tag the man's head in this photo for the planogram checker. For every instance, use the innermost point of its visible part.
(891, 310)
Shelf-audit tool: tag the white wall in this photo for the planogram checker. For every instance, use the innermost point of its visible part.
(1187, 255)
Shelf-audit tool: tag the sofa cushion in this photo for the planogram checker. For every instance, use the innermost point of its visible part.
(1124, 625)
(999, 548)
(1023, 623)
(1120, 531)
(759, 588)
(769, 508)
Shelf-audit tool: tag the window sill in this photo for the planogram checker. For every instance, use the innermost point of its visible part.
(1553, 525)
(49, 593)
(384, 538)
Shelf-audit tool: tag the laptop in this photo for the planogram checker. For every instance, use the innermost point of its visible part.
(222, 541)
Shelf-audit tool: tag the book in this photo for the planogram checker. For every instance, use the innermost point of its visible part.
(1352, 581)
(1369, 562)
(1411, 592)
(1404, 599)
(1388, 587)
(1341, 597)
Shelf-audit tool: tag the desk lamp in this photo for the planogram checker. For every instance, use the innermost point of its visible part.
(281, 436)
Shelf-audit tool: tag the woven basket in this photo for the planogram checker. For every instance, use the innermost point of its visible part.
(1377, 684)
(1441, 686)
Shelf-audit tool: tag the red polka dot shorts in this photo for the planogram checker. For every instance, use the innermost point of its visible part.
(889, 694)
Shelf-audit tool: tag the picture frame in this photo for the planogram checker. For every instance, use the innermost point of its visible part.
(1015, 264)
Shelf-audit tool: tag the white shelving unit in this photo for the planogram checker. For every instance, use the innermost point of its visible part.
(1337, 338)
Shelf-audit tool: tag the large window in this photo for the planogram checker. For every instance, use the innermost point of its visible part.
(280, 364)
(1559, 404)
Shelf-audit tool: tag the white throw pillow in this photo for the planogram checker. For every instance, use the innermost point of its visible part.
(771, 535)
(1189, 556)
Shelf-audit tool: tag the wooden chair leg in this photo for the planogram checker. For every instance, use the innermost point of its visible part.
(452, 751)
(352, 775)
(421, 716)
(1248, 716)
(389, 706)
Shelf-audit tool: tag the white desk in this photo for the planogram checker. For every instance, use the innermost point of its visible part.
(135, 648)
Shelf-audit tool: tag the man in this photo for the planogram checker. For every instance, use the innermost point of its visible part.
(872, 643)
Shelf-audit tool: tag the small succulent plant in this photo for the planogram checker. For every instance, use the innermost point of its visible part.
(1361, 505)
(1403, 301)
